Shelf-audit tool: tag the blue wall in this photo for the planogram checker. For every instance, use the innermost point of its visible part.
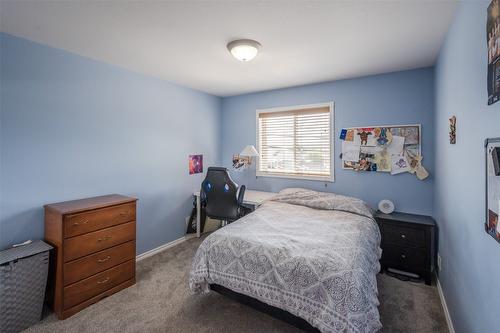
(73, 127)
(396, 98)
(470, 272)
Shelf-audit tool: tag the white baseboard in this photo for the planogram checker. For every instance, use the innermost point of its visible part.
(445, 308)
(161, 248)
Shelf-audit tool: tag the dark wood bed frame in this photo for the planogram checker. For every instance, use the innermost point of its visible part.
(265, 308)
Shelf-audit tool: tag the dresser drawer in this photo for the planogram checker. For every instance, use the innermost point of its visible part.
(96, 284)
(98, 262)
(403, 236)
(409, 259)
(83, 245)
(82, 223)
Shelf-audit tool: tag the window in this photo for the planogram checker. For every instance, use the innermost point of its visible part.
(296, 142)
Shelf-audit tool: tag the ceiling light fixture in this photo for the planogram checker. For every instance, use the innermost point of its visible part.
(244, 49)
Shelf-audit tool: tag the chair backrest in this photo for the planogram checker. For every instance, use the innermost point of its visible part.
(219, 194)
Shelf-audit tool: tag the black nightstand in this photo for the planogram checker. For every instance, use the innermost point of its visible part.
(408, 243)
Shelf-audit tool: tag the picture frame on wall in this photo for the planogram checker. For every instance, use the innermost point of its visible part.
(492, 159)
(493, 40)
(195, 164)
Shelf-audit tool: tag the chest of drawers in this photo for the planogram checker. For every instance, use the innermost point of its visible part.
(408, 243)
(94, 257)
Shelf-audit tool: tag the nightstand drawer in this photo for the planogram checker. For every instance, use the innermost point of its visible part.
(409, 259)
(403, 236)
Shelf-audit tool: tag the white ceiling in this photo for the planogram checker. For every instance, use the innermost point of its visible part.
(185, 42)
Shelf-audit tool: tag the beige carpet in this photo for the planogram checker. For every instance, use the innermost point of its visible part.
(161, 302)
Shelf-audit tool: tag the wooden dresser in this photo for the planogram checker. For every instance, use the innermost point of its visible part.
(408, 243)
(94, 241)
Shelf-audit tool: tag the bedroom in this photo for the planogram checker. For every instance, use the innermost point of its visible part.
(98, 98)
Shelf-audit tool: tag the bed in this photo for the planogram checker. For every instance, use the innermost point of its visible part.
(314, 255)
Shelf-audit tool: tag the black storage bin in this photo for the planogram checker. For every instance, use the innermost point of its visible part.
(23, 278)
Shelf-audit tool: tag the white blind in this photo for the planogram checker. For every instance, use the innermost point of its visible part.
(295, 142)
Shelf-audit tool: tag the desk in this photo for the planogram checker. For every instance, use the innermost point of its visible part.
(251, 198)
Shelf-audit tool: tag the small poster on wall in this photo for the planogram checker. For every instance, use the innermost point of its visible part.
(493, 39)
(492, 187)
(195, 164)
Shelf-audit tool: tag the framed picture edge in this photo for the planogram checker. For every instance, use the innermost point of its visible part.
(487, 141)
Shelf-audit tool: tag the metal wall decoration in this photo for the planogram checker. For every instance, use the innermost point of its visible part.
(453, 130)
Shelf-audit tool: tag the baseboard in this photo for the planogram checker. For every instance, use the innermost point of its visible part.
(445, 308)
(161, 248)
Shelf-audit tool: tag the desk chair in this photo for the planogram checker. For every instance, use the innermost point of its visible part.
(220, 196)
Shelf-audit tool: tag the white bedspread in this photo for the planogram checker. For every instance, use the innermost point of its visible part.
(317, 263)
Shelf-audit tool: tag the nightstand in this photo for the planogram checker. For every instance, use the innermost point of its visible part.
(408, 243)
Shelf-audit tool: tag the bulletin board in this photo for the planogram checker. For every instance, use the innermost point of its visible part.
(393, 148)
(492, 152)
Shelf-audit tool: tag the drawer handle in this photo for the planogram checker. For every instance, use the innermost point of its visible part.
(403, 236)
(82, 222)
(105, 238)
(104, 259)
(403, 256)
(103, 281)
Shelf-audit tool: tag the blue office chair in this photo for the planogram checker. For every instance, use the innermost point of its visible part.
(220, 196)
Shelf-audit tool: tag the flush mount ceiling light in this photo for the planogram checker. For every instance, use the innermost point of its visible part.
(244, 49)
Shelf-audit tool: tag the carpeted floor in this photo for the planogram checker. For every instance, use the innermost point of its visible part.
(161, 302)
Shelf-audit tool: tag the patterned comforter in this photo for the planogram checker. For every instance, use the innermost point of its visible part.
(313, 254)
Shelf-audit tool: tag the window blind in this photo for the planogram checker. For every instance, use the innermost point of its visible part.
(296, 143)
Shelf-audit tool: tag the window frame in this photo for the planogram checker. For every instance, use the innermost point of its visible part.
(331, 177)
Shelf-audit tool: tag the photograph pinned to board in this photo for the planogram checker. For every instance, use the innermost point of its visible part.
(492, 152)
(195, 164)
(395, 149)
(350, 152)
(399, 164)
(417, 169)
(493, 40)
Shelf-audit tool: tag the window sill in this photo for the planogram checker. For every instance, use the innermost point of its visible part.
(329, 179)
